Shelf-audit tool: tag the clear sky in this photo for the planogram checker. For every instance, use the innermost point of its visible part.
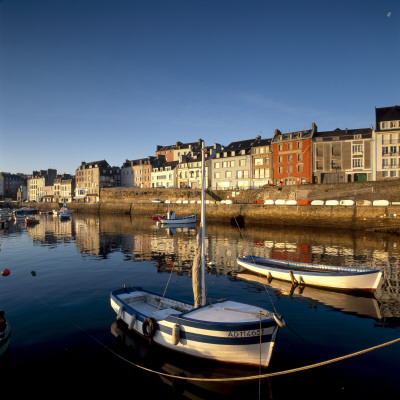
(86, 80)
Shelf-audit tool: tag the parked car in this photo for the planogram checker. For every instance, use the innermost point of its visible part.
(266, 186)
(157, 201)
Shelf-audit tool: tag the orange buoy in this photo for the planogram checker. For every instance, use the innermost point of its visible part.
(5, 272)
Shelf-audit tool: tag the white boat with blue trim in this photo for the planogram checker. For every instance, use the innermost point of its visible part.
(172, 219)
(349, 279)
(225, 331)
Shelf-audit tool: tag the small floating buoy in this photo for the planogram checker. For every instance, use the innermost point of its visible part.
(5, 272)
(33, 273)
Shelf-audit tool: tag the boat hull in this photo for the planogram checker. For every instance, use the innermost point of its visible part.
(330, 277)
(246, 341)
(190, 219)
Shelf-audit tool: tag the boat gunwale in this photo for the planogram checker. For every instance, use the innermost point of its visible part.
(266, 321)
(307, 269)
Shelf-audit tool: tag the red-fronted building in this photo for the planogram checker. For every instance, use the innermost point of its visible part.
(292, 157)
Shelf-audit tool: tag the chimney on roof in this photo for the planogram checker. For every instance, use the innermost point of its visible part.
(258, 137)
(314, 128)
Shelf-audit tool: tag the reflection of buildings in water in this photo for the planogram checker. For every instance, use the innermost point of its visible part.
(88, 236)
(141, 239)
(50, 230)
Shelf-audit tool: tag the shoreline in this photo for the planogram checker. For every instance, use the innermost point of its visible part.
(371, 218)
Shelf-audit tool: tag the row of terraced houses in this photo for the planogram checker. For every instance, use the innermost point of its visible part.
(293, 158)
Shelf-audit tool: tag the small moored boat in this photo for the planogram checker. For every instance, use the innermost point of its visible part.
(30, 220)
(172, 219)
(325, 276)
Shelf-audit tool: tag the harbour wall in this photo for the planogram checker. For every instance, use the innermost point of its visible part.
(243, 211)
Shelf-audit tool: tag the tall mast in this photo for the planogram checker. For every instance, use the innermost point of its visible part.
(203, 226)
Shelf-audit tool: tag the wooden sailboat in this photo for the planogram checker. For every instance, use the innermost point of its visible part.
(350, 279)
(226, 331)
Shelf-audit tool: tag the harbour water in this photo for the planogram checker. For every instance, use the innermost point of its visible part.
(65, 341)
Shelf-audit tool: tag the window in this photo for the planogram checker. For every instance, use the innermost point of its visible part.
(228, 174)
(393, 173)
(300, 145)
(300, 157)
(262, 174)
(300, 168)
(240, 174)
(242, 163)
(280, 159)
(290, 146)
(383, 125)
(385, 163)
(258, 161)
(217, 175)
(385, 151)
(290, 158)
(357, 148)
(393, 162)
(393, 149)
(256, 173)
(357, 162)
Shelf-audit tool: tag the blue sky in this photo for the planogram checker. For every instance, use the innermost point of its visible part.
(86, 80)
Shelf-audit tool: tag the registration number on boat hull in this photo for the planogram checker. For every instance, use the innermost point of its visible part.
(250, 333)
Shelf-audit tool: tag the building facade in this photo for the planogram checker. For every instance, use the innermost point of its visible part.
(386, 143)
(164, 176)
(90, 178)
(292, 157)
(231, 167)
(137, 173)
(9, 184)
(37, 182)
(179, 149)
(342, 156)
(261, 154)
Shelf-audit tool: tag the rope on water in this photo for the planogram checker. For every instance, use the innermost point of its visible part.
(268, 375)
(242, 378)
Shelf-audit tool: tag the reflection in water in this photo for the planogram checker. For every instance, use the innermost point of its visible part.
(362, 306)
(140, 239)
(146, 354)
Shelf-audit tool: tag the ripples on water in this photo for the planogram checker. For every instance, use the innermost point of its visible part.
(57, 299)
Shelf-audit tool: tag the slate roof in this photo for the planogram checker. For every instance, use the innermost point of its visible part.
(344, 134)
(386, 114)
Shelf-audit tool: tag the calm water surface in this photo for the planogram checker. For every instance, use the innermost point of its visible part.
(65, 341)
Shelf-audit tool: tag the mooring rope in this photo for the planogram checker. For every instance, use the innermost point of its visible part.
(259, 376)
(241, 378)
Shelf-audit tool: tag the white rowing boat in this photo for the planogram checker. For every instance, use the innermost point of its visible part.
(325, 276)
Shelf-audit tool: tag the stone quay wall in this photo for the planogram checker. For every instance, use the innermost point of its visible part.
(244, 212)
